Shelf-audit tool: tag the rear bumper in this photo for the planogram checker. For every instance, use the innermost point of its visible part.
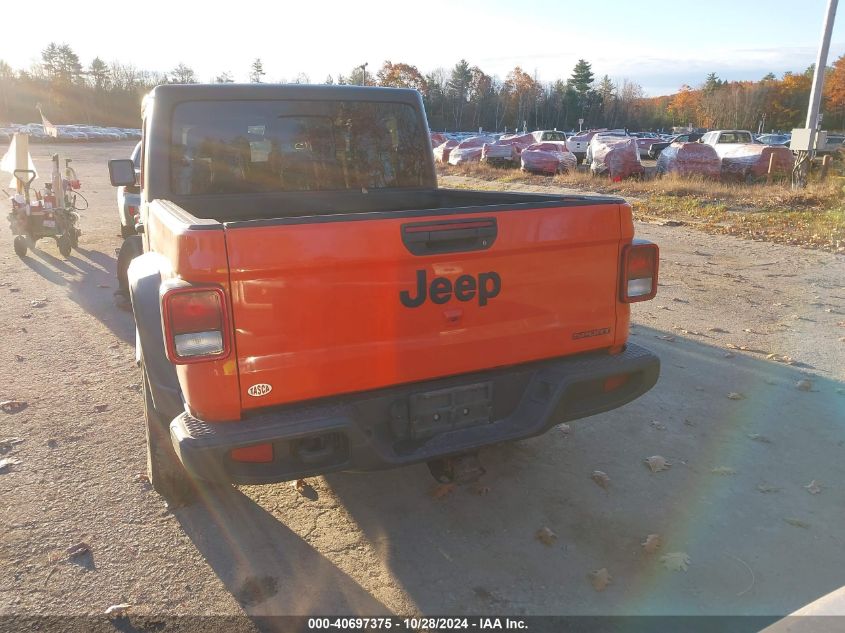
(381, 429)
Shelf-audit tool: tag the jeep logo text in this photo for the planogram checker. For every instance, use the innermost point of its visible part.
(465, 288)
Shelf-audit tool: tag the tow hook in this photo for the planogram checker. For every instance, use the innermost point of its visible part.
(459, 469)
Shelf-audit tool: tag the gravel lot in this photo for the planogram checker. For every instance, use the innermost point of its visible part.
(737, 501)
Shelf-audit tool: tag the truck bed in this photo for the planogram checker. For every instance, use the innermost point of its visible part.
(305, 205)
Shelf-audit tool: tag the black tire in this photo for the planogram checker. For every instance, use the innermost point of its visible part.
(74, 237)
(20, 245)
(64, 244)
(126, 231)
(167, 475)
(131, 248)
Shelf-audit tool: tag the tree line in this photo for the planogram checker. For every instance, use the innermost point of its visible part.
(461, 98)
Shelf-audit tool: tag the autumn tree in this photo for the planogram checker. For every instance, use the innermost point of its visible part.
(224, 78)
(401, 76)
(834, 91)
(683, 106)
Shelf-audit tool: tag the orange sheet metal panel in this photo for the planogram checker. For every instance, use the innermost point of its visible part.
(317, 307)
(199, 257)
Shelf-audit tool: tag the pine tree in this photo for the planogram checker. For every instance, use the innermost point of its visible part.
(582, 77)
(458, 89)
(98, 71)
(256, 71)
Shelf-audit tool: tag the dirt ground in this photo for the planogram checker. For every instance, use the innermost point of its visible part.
(736, 508)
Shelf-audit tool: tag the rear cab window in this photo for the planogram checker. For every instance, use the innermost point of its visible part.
(230, 147)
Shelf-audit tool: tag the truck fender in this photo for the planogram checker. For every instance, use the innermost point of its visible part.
(144, 279)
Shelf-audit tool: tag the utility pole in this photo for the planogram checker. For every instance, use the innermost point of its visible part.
(363, 68)
(802, 165)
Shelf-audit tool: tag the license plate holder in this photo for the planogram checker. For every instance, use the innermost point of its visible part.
(435, 412)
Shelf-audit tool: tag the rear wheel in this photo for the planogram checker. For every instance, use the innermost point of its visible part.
(20, 245)
(167, 475)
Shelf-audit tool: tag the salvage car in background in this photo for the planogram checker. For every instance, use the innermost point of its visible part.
(744, 159)
(776, 140)
(506, 151)
(548, 158)
(615, 156)
(688, 137)
(689, 159)
(469, 150)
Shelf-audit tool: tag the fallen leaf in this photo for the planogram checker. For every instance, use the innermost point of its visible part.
(77, 550)
(804, 385)
(600, 579)
(299, 485)
(14, 289)
(546, 536)
(8, 462)
(564, 428)
(118, 610)
(657, 425)
(797, 522)
(766, 489)
(813, 487)
(99, 408)
(652, 543)
(759, 438)
(38, 303)
(675, 561)
(731, 346)
(657, 463)
(600, 478)
(13, 406)
(442, 490)
(19, 358)
(735, 396)
(142, 478)
(8, 444)
(723, 470)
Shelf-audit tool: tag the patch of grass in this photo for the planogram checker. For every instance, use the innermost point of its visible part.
(813, 217)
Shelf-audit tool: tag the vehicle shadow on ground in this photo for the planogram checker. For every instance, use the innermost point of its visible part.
(90, 278)
(268, 568)
(741, 529)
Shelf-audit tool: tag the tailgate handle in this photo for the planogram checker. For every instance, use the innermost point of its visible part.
(449, 236)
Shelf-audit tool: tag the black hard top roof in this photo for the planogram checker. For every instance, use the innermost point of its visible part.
(174, 93)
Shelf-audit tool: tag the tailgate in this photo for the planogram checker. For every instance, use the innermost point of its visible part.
(334, 305)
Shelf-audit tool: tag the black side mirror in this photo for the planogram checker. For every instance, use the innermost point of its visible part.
(122, 172)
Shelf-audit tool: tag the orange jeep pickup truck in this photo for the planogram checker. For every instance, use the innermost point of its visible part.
(308, 300)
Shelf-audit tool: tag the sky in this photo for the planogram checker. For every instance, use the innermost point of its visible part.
(660, 44)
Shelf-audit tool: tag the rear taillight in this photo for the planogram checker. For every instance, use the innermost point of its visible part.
(639, 272)
(195, 324)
